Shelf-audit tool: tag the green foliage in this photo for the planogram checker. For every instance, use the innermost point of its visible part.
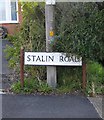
(79, 30)
(63, 89)
(31, 86)
(70, 77)
(13, 51)
(95, 75)
(69, 81)
(43, 87)
(16, 87)
(33, 30)
(82, 34)
(31, 36)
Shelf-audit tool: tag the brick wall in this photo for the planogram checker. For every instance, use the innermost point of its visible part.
(13, 27)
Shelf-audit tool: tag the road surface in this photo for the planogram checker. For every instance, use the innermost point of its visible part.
(39, 106)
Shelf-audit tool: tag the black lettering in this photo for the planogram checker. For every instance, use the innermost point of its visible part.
(28, 58)
(72, 58)
(66, 59)
(51, 58)
(69, 60)
(61, 59)
(38, 59)
(77, 59)
(43, 59)
(33, 57)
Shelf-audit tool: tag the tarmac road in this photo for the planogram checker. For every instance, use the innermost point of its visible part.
(39, 106)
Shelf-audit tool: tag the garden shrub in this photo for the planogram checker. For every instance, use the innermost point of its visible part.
(95, 75)
(31, 85)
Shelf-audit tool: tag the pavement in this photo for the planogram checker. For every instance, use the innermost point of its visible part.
(39, 106)
(5, 68)
(36, 106)
(98, 103)
(5, 71)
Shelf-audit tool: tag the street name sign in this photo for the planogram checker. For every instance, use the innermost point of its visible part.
(51, 59)
(50, 2)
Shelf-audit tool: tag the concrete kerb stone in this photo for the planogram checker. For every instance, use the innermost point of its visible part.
(98, 103)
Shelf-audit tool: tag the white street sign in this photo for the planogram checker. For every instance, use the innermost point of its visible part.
(50, 2)
(53, 59)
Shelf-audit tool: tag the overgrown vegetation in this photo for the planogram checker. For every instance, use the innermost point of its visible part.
(79, 30)
(70, 77)
(68, 82)
(95, 78)
(31, 86)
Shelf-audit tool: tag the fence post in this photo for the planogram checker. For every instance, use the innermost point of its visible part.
(83, 75)
(22, 67)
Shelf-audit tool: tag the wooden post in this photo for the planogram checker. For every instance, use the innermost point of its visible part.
(22, 67)
(83, 75)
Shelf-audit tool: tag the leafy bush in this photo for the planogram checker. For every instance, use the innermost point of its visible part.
(43, 87)
(69, 81)
(95, 78)
(31, 86)
(71, 78)
(80, 31)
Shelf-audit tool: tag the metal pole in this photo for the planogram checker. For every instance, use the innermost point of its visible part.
(50, 32)
(22, 67)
